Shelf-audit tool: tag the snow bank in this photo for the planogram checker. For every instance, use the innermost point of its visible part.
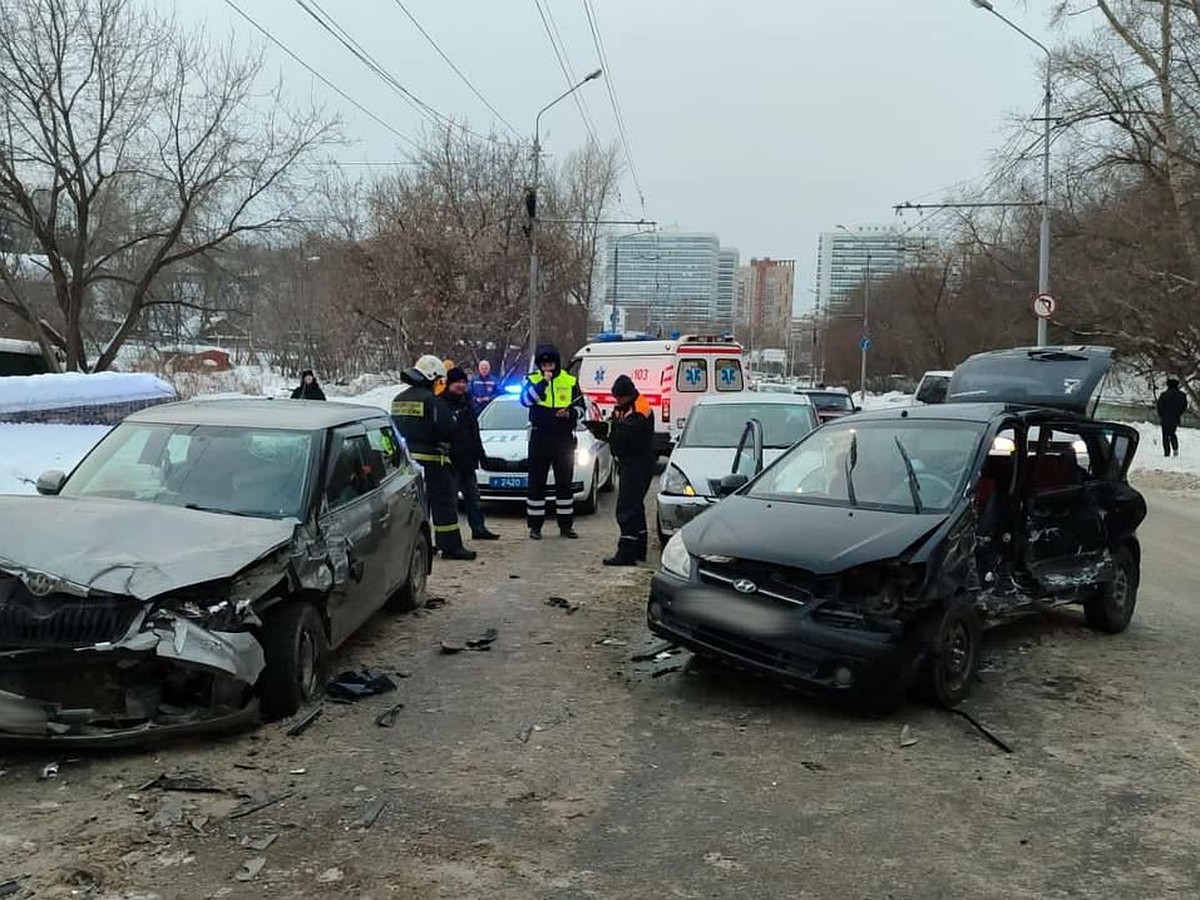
(26, 451)
(25, 393)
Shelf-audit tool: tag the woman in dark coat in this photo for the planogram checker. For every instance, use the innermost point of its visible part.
(308, 389)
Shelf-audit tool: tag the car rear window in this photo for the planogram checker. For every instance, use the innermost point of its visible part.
(729, 375)
(691, 376)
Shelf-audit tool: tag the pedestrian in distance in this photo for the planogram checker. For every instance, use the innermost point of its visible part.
(308, 389)
(1172, 404)
(483, 386)
(466, 453)
(555, 405)
(428, 424)
(631, 439)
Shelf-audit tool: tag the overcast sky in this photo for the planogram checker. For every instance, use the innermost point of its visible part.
(765, 122)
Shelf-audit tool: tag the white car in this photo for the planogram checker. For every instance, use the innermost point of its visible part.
(708, 447)
(504, 473)
(932, 388)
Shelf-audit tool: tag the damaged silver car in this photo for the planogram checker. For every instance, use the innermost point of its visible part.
(196, 568)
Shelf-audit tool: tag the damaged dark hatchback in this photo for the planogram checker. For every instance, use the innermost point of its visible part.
(196, 568)
(870, 557)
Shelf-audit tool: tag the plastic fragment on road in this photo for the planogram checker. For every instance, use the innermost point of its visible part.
(350, 687)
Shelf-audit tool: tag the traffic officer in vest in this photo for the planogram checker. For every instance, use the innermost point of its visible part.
(631, 439)
(555, 406)
(428, 424)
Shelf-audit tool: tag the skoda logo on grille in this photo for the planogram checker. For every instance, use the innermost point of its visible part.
(40, 584)
(745, 586)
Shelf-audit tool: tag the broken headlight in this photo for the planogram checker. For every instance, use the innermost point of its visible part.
(208, 606)
(883, 589)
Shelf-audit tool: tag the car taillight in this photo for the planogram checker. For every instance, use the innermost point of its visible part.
(666, 409)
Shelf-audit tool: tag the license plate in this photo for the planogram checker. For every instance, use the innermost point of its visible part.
(509, 482)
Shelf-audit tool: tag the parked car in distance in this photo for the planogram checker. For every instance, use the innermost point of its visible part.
(199, 564)
(870, 556)
(706, 449)
(932, 387)
(504, 473)
(831, 403)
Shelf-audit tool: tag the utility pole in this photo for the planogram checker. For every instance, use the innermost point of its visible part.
(531, 201)
(1044, 231)
(865, 342)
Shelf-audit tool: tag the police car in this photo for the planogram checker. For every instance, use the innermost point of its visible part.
(504, 473)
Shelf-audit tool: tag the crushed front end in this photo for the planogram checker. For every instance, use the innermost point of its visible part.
(85, 667)
(858, 632)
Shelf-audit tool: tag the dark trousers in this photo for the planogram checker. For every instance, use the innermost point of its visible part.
(1170, 439)
(443, 506)
(632, 484)
(468, 486)
(555, 453)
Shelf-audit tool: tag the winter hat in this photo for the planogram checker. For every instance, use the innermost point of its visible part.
(623, 387)
(455, 374)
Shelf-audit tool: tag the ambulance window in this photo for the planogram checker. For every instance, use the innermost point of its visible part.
(692, 376)
(729, 375)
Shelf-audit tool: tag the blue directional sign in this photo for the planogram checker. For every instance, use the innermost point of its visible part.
(864, 344)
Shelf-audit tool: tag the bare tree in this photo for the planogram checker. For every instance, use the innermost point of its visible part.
(129, 148)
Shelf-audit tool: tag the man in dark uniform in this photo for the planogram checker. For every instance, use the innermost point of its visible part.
(1172, 404)
(631, 439)
(466, 453)
(428, 425)
(555, 406)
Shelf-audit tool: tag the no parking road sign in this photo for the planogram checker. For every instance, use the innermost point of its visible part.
(1044, 305)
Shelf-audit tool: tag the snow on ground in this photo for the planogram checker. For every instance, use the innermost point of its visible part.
(20, 393)
(26, 451)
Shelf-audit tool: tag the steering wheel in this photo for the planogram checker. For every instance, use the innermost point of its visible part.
(942, 490)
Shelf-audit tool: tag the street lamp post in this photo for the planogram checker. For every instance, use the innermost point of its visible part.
(864, 340)
(532, 209)
(1044, 235)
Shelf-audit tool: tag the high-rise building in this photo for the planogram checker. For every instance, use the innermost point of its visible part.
(846, 256)
(764, 295)
(668, 282)
(727, 264)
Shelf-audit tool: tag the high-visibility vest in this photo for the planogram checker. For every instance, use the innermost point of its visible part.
(560, 392)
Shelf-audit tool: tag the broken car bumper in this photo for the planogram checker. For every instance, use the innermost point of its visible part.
(166, 677)
(784, 642)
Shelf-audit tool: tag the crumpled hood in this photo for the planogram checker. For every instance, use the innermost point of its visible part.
(822, 539)
(127, 547)
(510, 445)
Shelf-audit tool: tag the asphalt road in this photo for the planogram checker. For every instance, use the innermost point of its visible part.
(553, 766)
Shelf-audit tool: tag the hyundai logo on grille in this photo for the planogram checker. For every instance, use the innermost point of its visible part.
(745, 586)
(39, 584)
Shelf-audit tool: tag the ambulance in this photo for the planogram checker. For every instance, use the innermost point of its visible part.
(671, 374)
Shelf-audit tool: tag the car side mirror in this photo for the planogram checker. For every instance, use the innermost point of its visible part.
(857, 409)
(50, 483)
(731, 483)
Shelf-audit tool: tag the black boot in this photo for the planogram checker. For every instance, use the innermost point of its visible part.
(485, 535)
(626, 555)
(535, 534)
(569, 532)
(643, 542)
(459, 552)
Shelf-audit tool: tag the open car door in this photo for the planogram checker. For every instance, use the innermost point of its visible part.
(1075, 499)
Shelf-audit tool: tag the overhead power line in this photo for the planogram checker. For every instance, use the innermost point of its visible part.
(457, 71)
(565, 65)
(343, 37)
(325, 81)
(594, 25)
